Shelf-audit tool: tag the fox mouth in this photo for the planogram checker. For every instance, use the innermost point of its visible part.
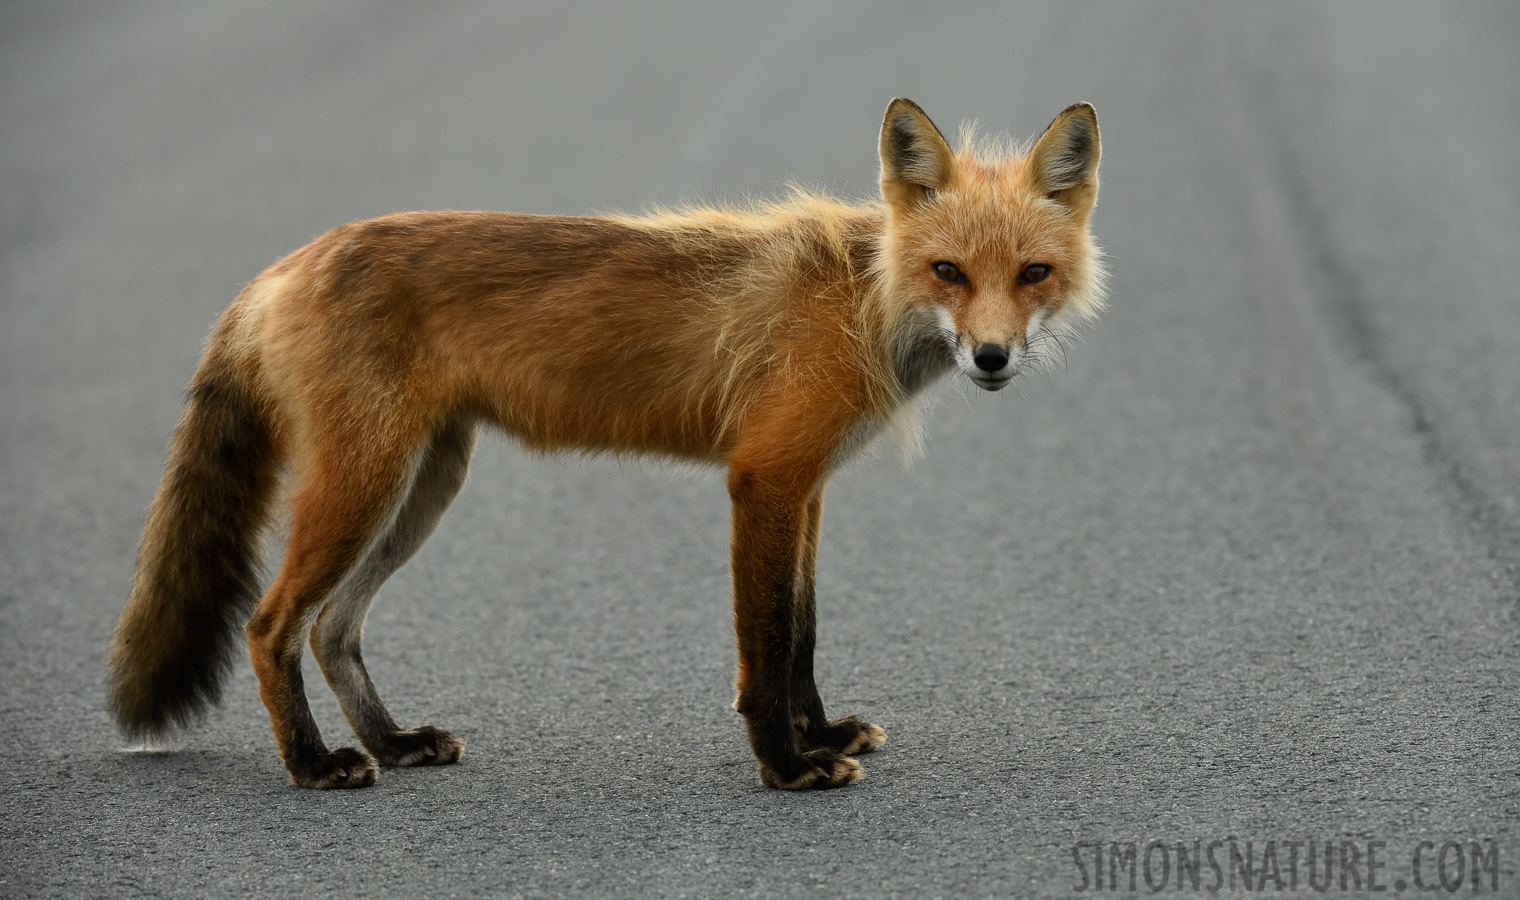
(990, 382)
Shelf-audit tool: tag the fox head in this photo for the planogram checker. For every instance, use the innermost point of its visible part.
(995, 252)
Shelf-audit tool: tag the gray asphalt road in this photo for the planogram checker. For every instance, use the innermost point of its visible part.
(1254, 570)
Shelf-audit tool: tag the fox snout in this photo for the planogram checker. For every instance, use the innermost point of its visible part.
(991, 356)
(991, 365)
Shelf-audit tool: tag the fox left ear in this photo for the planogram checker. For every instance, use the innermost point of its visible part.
(916, 160)
(1064, 162)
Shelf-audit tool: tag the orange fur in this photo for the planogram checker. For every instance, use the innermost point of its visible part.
(775, 340)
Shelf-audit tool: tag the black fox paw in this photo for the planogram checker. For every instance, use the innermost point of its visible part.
(850, 736)
(814, 770)
(422, 746)
(341, 768)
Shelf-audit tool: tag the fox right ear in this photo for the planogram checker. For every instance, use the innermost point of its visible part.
(916, 160)
(1064, 162)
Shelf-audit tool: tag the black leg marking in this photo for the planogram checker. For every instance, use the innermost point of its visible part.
(847, 736)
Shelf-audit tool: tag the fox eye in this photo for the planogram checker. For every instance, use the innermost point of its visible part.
(949, 271)
(1036, 272)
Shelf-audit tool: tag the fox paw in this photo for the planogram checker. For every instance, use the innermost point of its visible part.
(422, 746)
(341, 768)
(850, 736)
(814, 770)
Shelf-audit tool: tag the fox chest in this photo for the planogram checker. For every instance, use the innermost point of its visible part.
(921, 356)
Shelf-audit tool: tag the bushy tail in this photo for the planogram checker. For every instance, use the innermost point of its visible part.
(198, 567)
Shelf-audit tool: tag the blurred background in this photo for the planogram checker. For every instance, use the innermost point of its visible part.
(1247, 568)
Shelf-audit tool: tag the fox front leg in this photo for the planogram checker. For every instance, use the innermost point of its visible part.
(770, 521)
(849, 735)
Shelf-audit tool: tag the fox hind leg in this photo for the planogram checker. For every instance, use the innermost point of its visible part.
(850, 735)
(342, 501)
(335, 639)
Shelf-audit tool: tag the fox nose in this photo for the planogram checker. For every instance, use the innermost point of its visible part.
(990, 358)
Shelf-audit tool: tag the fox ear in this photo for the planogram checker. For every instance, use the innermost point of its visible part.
(1064, 162)
(916, 160)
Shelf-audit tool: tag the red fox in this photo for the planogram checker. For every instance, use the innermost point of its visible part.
(775, 340)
